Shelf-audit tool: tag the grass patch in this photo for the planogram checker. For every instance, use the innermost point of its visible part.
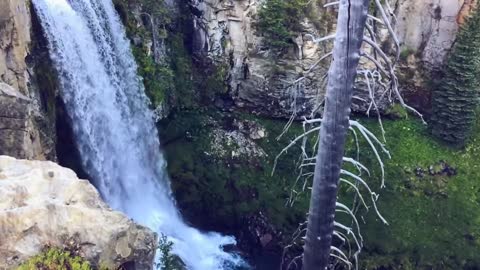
(434, 219)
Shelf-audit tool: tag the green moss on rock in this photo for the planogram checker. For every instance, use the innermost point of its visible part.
(434, 218)
(225, 189)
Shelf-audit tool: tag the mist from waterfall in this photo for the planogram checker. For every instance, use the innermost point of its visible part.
(113, 126)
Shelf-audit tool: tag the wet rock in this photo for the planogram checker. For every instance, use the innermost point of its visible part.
(258, 235)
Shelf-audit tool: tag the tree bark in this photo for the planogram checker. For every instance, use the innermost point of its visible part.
(351, 21)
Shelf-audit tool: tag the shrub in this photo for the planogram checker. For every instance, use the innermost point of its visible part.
(157, 77)
(168, 260)
(278, 20)
(55, 259)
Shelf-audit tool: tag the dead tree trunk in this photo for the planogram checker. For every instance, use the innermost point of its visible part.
(352, 16)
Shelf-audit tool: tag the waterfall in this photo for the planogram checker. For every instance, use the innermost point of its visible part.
(113, 126)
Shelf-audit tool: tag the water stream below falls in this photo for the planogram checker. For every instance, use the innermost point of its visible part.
(113, 126)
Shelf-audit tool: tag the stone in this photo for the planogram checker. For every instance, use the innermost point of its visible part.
(252, 129)
(15, 38)
(225, 30)
(429, 27)
(43, 204)
(19, 135)
(25, 129)
(259, 234)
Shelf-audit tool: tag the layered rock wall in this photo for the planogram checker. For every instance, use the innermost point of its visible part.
(262, 82)
(24, 128)
(259, 80)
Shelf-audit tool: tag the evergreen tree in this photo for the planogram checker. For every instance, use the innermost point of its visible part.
(456, 97)
(278, 20)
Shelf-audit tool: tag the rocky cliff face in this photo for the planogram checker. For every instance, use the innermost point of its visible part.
(15, 39)
(259, 80)
(44, 204)
(23, 123)
(429, 28)
(262, 81)
(426, 30)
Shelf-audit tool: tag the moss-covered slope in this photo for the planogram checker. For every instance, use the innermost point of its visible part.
(431, 200)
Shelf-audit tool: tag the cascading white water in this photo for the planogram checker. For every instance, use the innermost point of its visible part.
(113, 126)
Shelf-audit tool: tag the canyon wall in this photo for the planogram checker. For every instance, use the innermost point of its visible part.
(263, 82)
(259, 80)
(25, 130)
(428, 28)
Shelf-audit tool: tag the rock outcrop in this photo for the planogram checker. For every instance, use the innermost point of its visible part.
(261, 82)
(43, 204)
(429, 28)
(15, 39)
(23, 123)
(426, 31)
(18, 135)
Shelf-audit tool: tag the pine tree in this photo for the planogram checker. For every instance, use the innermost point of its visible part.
(278, 20)
(456, 97)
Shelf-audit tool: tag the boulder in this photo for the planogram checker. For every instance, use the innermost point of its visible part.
(43, 204)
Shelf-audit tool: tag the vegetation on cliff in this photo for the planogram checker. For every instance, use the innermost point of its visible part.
(226, 187)
(143, 19)
(177, 80)
(278, 20)
(55, 259)
(456, 95)
(63, 259)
